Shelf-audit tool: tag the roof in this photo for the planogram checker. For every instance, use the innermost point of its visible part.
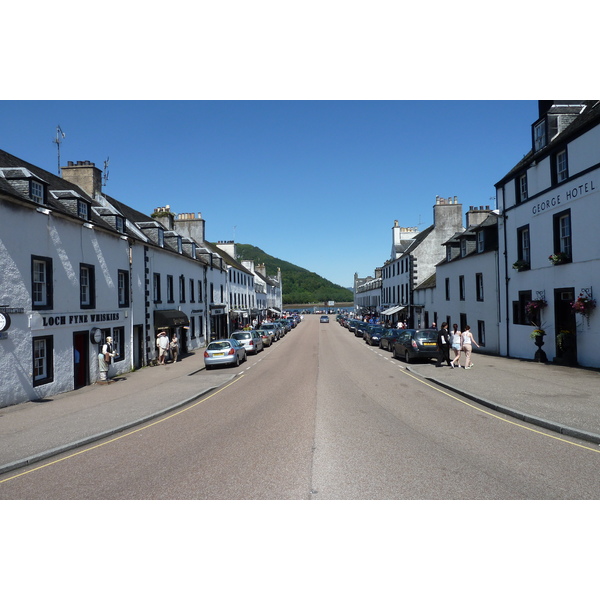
(587, 119)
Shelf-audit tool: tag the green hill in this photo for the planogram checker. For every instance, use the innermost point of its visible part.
(300, 286)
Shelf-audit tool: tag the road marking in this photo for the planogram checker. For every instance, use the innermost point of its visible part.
(136, 430)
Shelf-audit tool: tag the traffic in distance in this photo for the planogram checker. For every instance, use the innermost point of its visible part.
(234, 350)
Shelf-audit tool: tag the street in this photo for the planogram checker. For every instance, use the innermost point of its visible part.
(321, 416)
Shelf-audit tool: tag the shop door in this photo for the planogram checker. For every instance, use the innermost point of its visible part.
(564, 321)
(80, 359)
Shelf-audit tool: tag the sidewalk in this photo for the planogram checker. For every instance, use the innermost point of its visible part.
(33, 431)
(562, 399)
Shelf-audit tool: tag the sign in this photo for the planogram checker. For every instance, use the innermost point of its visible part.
(567, 193)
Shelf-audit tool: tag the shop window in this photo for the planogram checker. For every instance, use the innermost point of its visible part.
(43, 360)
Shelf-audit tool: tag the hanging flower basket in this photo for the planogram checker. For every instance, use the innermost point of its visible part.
(560, 258)
(584, 305)
(531, 308)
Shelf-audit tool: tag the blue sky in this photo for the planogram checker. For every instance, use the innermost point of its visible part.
(316, 183)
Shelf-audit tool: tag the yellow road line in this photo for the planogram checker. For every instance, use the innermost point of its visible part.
(495, 416)
(136, 430)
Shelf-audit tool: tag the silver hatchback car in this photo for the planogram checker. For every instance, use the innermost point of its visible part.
(251, 340)
(224, 352)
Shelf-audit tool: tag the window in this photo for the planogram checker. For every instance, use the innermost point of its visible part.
(522, 191)
(82, 210)
(461, 286)
(36, 191)
(181, 288)
(447, 283)
(120, 224)
(479, 286)
(523, 250)
(192, 327)
(118, 337)
(520, 317)
(562, 233)
(43, 367)
(481, 332)
(480, 241)
(161, 238)
(157, 292)
(123, 288)
(192, 288)
(463, 247)
(562, 172)
(170, 297)
(539, 135)
(87, 286)
(199, 291)
(41, 283)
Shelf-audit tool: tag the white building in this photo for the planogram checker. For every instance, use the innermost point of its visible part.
(550, 207)
(413, 260)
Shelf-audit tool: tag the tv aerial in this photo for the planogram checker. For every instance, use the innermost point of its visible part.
(60, 135)
(105, 172)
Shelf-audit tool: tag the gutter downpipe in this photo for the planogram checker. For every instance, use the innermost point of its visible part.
(506, 278)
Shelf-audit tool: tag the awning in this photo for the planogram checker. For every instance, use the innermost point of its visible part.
(170, 318)
(394, 309)
(274, 310)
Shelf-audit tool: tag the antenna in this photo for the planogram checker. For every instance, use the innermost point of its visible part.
(60, 135)
(105, 173)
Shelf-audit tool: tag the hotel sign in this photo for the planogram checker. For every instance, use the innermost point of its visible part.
(568, 193)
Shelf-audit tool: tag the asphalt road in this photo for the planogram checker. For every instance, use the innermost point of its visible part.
(322, 416)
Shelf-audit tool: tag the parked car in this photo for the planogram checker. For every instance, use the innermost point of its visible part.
(373, 335)
(416, 343)
(324, 319)
(267, 338)
(352, 325)
(281, 329)
(359, 329)
(251, 340)
(271, 329)
(224, 352)
(388, 338)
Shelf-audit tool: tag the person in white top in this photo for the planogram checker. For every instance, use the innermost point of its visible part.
(455, 341)
(467, 341)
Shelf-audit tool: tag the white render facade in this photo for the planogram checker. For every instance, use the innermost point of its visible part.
(550, 204)
(78, 266)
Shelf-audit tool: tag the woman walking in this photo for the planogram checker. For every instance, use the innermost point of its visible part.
(467, 341)
(455, 341)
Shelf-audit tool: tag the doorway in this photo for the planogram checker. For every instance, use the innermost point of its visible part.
(565, 326)
(80, 359)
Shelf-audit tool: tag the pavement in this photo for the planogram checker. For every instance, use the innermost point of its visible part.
(559, 398)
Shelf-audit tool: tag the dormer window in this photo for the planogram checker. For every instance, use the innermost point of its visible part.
(120, 224)
(179, 245)
(83, 210)
(448, 253)
(539, 135)
(463, 247)
(36, 191)
(161, 238)
(480, 241)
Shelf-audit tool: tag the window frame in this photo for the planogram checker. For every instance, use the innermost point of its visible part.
(37, 191)
(562, 166)
(47, 287)
(522, 188)
(170, 290)
(524, 244)
(91, 286)
(461, 288)
(156, 288)
(123, 288)
(563, 243)
(479, 287)
(47, 374)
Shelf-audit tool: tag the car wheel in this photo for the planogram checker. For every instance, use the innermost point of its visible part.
(407, 357)
(237, 360)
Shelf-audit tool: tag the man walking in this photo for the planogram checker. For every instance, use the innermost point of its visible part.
(162, 342)
(443, 346)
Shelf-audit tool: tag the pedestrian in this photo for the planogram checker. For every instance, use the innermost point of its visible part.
(174, 347)
(455, 341)
(443, 345)
(162, 343)
(467, 345)
(104, 358)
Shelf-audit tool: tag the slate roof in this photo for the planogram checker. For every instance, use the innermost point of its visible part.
(588, 119)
